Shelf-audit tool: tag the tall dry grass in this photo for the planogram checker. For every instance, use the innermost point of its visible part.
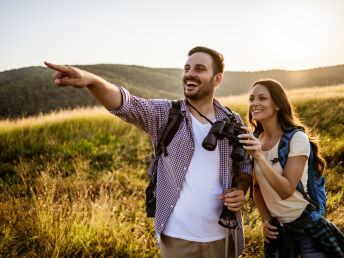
(70, 216)
(72, 185)
(79, 196)
(55, 117)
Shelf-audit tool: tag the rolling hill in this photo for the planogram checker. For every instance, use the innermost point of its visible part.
(29, 91)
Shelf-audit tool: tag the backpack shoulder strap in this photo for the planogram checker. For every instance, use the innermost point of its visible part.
(231, 115)
(301, 189)
(172, 126)
(284, 146)
(230, 111)
(283, 151)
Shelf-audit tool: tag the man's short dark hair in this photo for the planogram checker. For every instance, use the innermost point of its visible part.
(218, 60)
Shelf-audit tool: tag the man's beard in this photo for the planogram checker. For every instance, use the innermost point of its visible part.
(200, 93)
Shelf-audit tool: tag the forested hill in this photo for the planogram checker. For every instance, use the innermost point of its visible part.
(28, 91)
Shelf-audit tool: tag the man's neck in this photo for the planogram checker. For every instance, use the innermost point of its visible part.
(205, 107)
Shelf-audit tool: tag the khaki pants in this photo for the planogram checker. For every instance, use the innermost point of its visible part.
(179, 248)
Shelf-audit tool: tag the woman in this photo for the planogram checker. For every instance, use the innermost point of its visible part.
(271, 115)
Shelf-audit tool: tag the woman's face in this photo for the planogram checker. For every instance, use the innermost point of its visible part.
(261, 105)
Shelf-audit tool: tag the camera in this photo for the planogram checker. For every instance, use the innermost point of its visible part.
(226, 128)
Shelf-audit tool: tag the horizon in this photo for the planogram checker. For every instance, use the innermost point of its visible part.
(150, 67)
(255, 35)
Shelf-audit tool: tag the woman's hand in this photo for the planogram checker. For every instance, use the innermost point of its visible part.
(269, 231)
(252, 144)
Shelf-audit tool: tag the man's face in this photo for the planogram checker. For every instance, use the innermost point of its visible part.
(198, 77)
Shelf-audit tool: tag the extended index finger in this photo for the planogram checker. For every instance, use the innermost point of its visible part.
(59, 68)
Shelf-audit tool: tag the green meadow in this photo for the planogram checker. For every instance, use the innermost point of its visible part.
(72, 182)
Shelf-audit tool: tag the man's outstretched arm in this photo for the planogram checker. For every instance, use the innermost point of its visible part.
(106, 93)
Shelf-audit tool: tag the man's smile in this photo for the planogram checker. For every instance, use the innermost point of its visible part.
(192, 84)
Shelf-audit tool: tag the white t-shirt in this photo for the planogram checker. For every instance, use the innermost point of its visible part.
(291, 208)
(196, 214)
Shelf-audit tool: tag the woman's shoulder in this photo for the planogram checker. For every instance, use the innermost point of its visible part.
(299, 144)
(300, 136)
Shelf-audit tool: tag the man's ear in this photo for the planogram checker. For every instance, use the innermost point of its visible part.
(218, 79)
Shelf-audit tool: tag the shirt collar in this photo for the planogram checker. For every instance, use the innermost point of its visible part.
(221, 111)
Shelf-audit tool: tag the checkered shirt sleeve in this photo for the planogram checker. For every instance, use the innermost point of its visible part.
(149, 115)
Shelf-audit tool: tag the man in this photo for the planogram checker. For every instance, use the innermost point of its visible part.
(190, 180)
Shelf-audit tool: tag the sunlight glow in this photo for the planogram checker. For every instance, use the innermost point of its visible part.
(297, 36)
(252, 35)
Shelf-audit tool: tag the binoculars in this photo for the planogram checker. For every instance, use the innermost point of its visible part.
(226, 128)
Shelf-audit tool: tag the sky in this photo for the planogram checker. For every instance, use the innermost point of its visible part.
(252, 35)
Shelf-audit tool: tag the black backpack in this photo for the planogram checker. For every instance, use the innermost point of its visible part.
(174, 118)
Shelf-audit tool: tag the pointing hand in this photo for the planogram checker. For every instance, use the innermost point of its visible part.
(68, 75)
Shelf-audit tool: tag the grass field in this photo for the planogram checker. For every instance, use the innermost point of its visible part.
(72, 182)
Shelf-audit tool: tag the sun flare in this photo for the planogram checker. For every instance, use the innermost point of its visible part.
(297, 36)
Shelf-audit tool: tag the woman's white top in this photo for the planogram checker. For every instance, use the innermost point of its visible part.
(291, 208)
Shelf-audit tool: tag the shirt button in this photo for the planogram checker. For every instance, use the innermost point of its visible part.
(171, 206)
(185, 168)
(162, 225)
(179, 189)
(192, 148)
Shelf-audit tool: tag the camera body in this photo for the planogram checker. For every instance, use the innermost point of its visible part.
(226, 128)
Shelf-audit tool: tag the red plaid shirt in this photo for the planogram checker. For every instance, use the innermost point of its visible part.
(151, 116)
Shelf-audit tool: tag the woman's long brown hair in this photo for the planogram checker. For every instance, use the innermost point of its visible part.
(286, 118)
